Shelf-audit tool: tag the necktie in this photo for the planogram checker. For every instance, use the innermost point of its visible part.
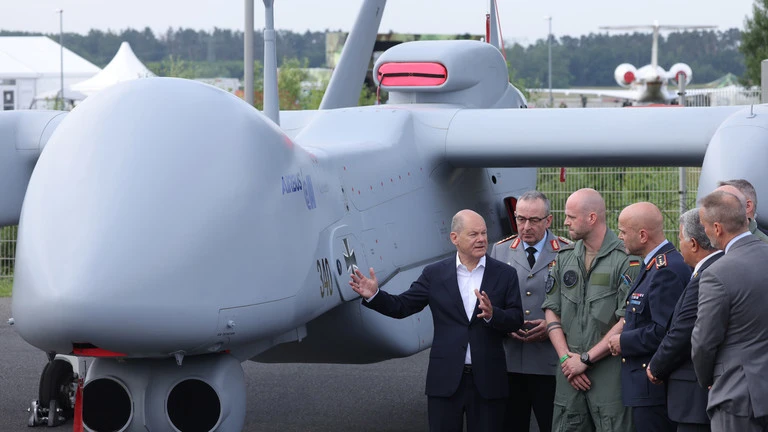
(531, 259)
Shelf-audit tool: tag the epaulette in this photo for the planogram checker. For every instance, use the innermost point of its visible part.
(661, 261)
(564, 240)
(566, 247)
(506, 239)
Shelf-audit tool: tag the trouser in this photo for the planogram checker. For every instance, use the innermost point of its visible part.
(652, 419)
(693, 427)
(528, 392)
(446, 414)
(598, 409)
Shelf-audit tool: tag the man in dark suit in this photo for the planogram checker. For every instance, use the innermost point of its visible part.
(475, 302)
(686, 400)
(730, 337)
(650, 304)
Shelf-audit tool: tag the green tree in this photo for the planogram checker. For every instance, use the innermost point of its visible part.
(754, 41)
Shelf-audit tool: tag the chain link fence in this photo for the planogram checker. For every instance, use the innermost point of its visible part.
(672, 190)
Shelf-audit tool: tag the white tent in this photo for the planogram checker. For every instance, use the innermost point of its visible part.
(123, 67)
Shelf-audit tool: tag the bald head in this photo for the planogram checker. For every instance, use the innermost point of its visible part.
(733, 190)
(641, 228)
(589, 200)
(460, 219)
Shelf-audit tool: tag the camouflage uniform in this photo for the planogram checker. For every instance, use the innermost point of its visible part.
(589, 304)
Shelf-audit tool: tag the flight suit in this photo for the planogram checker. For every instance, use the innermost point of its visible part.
(756, 231)
(532, 366)
(650, 304)
(589, 303)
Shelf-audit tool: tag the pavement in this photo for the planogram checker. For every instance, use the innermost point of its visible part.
(386, 396)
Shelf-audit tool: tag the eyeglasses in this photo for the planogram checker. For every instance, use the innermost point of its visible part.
(533, 220)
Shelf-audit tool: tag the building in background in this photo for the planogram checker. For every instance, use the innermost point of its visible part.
(31, 65)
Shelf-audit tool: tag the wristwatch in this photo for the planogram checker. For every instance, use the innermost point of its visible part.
(585, 359)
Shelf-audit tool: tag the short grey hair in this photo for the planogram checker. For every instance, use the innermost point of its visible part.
(536, 195)
(693, 229)
(726, 209)
(743, 186)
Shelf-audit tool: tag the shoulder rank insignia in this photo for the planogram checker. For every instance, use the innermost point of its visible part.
(661, 261)
(564, 240)
(506, 239)
(634, 263)
(515, 243)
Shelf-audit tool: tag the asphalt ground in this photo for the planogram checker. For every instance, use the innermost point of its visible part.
(386, 396)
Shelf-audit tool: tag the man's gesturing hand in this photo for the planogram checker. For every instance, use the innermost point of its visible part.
(486, 309)
(362, 285)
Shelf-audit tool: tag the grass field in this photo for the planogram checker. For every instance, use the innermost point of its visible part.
(6, 285)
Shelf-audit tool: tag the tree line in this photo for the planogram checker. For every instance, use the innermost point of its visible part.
(576, 61)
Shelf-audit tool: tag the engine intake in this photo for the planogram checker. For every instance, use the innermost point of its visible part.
(107, 405)
(681, 69)
(625, 74)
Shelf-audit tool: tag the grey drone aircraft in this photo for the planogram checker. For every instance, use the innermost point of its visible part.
(171, 231)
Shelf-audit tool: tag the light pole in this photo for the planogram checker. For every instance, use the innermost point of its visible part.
(549, 44)
(61, 56)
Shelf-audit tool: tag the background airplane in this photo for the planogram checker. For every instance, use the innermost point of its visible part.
(171, 231)
(649, 83)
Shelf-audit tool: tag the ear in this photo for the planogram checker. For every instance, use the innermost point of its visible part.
(695, 246)
(454, 238)
(643, 234)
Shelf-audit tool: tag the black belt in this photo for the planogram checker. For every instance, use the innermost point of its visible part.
(467, 368)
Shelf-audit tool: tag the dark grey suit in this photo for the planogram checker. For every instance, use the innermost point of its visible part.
(686, 400)
(730, 338)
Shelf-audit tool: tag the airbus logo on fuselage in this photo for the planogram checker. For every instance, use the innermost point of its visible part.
(291, 183)
(295, 183)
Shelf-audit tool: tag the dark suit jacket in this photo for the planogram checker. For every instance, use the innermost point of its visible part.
(729, 342)
(686, 399)
(650, 304)
(438, 288)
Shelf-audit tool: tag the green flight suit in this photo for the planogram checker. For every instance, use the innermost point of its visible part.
(756, 231)
(589, 304)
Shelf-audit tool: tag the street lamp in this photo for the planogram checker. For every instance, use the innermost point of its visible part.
(61, 55)
(549, 44)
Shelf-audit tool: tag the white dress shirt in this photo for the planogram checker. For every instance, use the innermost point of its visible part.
(469, 281)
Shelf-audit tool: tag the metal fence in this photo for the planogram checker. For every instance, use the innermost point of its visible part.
(673, 190)
(726, 96)
(7, 250)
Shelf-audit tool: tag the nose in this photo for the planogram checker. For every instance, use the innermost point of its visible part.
(132, 231)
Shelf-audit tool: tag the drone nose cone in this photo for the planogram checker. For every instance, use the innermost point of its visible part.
(136, 216)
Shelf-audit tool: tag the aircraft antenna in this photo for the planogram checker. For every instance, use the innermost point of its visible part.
(271, 100)
(348, 77)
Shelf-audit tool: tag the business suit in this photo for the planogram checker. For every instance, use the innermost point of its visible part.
(438, 288)
(650, 304)
(531, 365)
(686, 399)
(730, 337)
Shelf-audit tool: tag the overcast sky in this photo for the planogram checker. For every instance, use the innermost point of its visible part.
(522, 20)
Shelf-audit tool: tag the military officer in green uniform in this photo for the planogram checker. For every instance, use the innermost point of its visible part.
(584, 307)
(531, 359)
(750, 198)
